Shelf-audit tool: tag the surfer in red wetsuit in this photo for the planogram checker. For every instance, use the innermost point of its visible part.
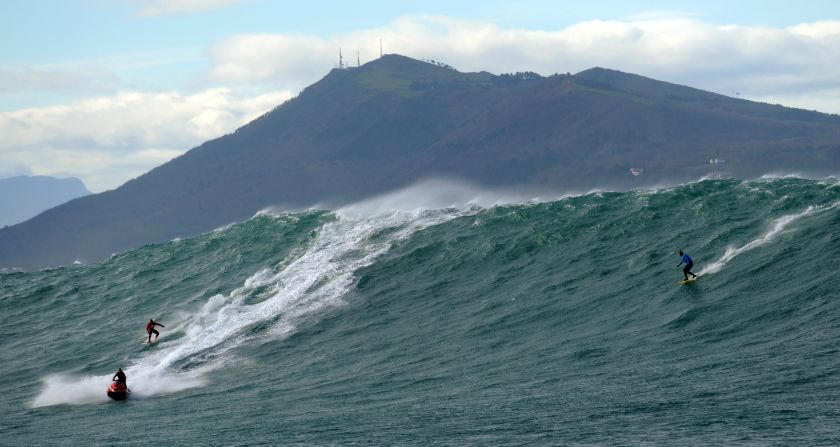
(150, 328)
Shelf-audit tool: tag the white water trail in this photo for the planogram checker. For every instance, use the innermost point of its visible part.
(778, 226)
(77, 390)
(317, 278)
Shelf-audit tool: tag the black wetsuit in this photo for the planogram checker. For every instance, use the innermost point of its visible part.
(120, 378)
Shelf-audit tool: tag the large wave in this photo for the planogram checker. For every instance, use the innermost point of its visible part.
(313, 277)
(486, 306)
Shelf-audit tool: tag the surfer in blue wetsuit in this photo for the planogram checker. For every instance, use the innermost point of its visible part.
(688, 265)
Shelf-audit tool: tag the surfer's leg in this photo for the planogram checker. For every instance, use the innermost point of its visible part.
(687, 270)
(156, 334)
(150, 336)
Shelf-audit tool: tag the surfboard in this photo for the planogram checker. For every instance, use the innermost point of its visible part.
(688, 281)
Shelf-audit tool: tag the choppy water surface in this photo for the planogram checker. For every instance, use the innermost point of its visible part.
(560, 322)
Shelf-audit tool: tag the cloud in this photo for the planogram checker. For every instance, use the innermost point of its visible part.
(14, 169)
(109, 139)
(275, 58)
(15, 79)
(153, 8)
(755, 61)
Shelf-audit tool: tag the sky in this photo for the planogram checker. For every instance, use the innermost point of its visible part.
(105, 90)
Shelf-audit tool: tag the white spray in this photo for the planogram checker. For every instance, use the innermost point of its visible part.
(317, 277)
(778, 226)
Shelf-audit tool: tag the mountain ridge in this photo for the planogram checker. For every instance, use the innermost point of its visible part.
(363, 131)
(23, 197)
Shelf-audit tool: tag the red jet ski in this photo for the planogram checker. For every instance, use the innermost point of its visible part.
(118, 391)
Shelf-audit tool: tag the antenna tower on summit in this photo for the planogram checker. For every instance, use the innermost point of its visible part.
(380, 47)
(340, 59)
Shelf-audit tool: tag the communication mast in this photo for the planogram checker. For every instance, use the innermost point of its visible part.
(340, 59)
(380, 47)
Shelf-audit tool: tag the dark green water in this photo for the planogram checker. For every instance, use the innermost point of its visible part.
(556, 323)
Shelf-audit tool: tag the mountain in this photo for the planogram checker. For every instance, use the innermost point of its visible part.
(362, 131)
(23, 197)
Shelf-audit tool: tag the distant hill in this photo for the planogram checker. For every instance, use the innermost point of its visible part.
(24, 197)
(393, 121)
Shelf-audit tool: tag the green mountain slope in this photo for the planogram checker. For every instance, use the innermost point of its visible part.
(367, 130)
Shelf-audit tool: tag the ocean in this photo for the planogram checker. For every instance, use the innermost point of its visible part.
(449, 316)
